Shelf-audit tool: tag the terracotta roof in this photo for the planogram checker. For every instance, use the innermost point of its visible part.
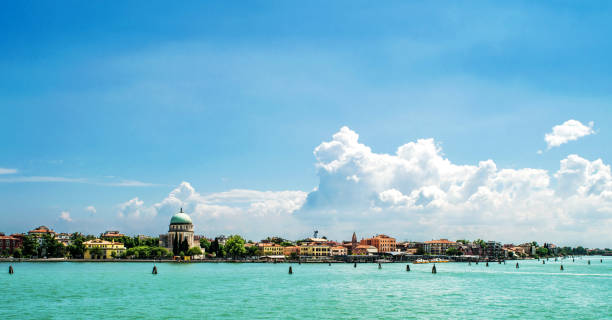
(440, 241)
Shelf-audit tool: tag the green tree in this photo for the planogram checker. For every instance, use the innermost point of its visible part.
(184, 245)
(194, 251)
(175, 245)
(234, 246)
(453, 252)
(53, 248)
(204, 243)
(252, 251)
(541, 251)
(17, 253)
(30, 246)
(77, 248)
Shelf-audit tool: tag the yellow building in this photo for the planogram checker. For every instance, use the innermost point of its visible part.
(270, 249)
(314, 250)
(105, 251)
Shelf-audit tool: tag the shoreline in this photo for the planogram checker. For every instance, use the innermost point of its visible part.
(57, 260)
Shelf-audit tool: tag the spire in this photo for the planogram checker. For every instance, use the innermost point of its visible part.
(181, 209)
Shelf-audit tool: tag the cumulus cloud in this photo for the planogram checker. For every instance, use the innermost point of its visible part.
(570, 130)
(65, 215)
(248, 212)
(7, 171)
(91, 209)
(415, 193)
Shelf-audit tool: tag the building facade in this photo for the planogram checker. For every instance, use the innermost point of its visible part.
(314, 250)
(338, 251)
(180, 230)
(439, 247)
(271, 249)
(9, 243)
(381, 242)
(102, 249)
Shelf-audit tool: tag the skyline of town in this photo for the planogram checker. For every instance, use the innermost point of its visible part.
(474, 123)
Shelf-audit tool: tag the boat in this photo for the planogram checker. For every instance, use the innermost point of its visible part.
(421, 261)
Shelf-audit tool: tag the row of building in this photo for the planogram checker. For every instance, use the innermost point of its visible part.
(181, 231)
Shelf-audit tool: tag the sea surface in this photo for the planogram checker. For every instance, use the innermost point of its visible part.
(73, 290)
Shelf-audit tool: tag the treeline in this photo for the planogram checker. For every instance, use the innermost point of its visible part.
(131, 242)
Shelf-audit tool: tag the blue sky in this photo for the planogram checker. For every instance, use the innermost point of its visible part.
(130, 99)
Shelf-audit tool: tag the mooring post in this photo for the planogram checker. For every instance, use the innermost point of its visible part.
(433, 270)
(407, 267)
(290, 270)
(11, 271)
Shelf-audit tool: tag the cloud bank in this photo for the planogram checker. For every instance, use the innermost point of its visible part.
(7, 171)
(570, 130)
(65, 215)
(415, 194)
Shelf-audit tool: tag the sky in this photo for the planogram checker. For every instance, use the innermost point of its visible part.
(420, 120)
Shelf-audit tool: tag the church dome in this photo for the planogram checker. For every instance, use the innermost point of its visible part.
(181, 218)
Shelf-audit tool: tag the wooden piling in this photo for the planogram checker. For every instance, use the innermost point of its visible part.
(290, 270)
(407, 267)
(154, 270)
(561, 267)
(517, 265)
(433, 270)
(11, 271)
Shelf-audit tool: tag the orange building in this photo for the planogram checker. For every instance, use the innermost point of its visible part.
(381, 242)
(291, 249)
(439, 247)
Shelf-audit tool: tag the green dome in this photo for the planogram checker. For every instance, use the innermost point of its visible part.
(181, 218)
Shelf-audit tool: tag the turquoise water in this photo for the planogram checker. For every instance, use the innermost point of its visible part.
(315, 291)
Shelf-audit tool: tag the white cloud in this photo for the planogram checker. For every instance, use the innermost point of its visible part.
(248, 212)
(570, 130)
(415, 193)
(65, 215)
(7, 171)
(134, 209)
(25, 179)
(91, 209)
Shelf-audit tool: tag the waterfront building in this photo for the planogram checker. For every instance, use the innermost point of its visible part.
(9, 243)
(108, 249)
(39, 232)
(112, 234)
(271, 249)
(529, 248)
(494, 249)
(64, 238)
(439, 247)
(221, 240)
(381, 242)
(315, 250)
(180, 230)
(338, 251)
(287, 251)
(364, 249)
